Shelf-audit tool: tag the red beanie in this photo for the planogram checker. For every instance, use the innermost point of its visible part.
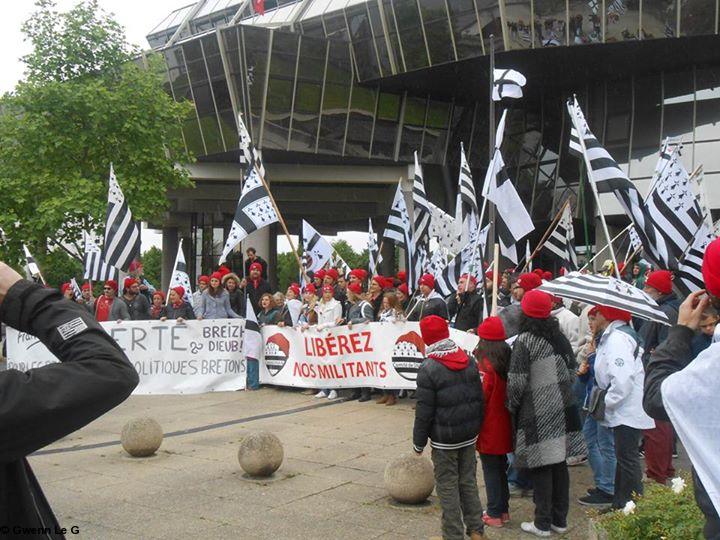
(402, 276)
(355, 288)
(489, 275)
(379, 280)
(256, 266)
(427, 279)
(129, 282)
(134, 265)
(162, 294)
(203, 279)
(469, 277)
(433, 329)
(358, 273)
(295, 288)
(613, 313)
(660, 280)
(216, 275)
(536, 304)
(538, 272)
(547, 276)
(711, 268)
(403, 288)
(224, 269)
(529, 281)
(112, 284)
(180, 291)
(320, 274)
(492, 329)
(85, 286)
(310, 288)
(333, 274)
(64, 287)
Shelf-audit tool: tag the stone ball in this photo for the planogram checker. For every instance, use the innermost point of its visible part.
(260, 454)
(409, 479)
(141, 437)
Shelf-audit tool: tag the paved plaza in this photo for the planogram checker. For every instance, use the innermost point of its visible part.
(329, 486)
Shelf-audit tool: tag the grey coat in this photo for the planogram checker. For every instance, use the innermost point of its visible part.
(215, 307)
(540, 399)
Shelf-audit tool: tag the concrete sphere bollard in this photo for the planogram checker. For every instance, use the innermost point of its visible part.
(141, 437)
(260, 454)
(409, 479)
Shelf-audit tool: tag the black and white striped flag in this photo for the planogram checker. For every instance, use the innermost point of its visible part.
(252, 342)
(466, 207)
(250, 156)
(609, 178)
(561, 242)
(317, 251)
(180, 276)
(397, 219)
(688, 276)
(122, 234)
(374, 255)
(31, 266)
(635, 242)
(77, 292)
(468, 261)
(616, 7)
(421, 209)
(95, 267)
(254, 211)
(507, 83)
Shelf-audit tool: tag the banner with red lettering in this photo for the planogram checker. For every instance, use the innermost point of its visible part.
(378, 355)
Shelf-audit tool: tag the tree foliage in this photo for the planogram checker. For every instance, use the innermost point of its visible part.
(152, 265)
(350, 256)
(85, 103)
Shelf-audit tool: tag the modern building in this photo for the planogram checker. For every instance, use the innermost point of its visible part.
(338, 94)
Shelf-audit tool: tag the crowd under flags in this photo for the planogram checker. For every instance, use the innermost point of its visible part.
(254, 211)
(249, 156)
(512, 221)
(122, 234)
(374, 255)
(468, 261)
(95, 268)
(466, 207)
(507, 83)
(180, 276)
(561, 241)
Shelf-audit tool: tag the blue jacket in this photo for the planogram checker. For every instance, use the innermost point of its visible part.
(215, 307)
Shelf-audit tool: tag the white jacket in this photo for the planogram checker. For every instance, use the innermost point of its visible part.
(619, 369)
(328, 313)
(569, 326)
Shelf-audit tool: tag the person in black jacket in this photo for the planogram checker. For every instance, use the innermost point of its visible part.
(42, 405)
(256, 287)
(466, 305)
(428, 302)
(177, 308)
(449, 412)
(253, 258)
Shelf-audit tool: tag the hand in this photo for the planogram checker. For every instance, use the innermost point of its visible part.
(119, 321)
(163, 319)
(143, 287)
(243, 283)
(349, 326)
(281, 324)
(590, 347)
(180, 320)
(8, 278)
(583, 368)
(199, 317)
(471, 331)
(691, 310)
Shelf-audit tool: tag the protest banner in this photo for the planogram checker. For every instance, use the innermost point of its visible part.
(171, 358)
(378, 355)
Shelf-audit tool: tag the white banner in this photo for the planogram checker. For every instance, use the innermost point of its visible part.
(378, 355)
(171, 358)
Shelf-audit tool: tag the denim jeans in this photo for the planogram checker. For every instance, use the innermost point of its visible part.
(496, 484)
(601, 454)
(519, 477)
(253, 374)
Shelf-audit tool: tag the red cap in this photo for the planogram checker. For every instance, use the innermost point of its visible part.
(216, 275)
(593, 311)
(203, 279)
(660, 280)
(85, 286)
(295, 288)
(358, 273)
(614, 314)
(180, 291)
(433, 329)
(547, 276)
(129, 282)
(621, 267)
(223, 269)
(711, 268)
(320, 274)
(64, 287)
(529, 281)
(427, 279)
(489, 275)
(492, 329)
(469, 277)
(134, 265)
(355, 288)
(162, 294)
(536, 304)
(538, 271)
(112, 284)
(328, 288)
(310, 288)
(401, 276)
(379, 280)
(403, 288)
(332, 273)
(256, 266)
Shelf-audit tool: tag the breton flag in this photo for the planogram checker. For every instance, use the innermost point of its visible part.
(374, 255)
(252, 339)
(122, 234)
(317, 251)
(616, 7)
(466, 208)
(609, 178)
(443, 228)
(635, 242)
(398, 218)
(338, 262)
(400, 231)
(561, 241)
(674, 209)
(421, 209)
(96, 269)
(250, 156)
(254, 211)
(415, 258)
(468, 261)
(512, 221)
(688, 276)
(77, 292)
(180, 276)
(507, 83)
(666, 152)
(31, 266)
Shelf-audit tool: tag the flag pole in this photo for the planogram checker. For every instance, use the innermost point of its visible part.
(496, 270)
(626, 229)
(588, 166)
(548, 232)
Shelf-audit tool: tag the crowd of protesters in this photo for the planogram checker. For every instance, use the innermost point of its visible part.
(551, 384)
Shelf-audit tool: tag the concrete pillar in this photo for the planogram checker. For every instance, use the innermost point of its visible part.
(169, 251)
(260, 240)
(388, 254)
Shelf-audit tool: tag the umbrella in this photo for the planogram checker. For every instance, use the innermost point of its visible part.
(608, 291)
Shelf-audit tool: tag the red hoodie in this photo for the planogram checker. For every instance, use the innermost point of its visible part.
(454, 359)
(496, 431)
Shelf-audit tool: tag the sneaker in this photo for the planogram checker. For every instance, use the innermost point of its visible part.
(505, 517)
(597, 499)
(675, 454)
(308, 392)
(559, 530)
(492, 522)
(529, 527)
(332, 394)
(574, 461)
(592, 491)
(320, 394)
(364, 398)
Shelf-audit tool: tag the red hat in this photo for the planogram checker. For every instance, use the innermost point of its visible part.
(358, 273)
(660, 280)
(711, 268)
(328, 288)
(433, 329)
(621, 267)
(332, 273)
(225, 270)
(294, 287)
(428, 280)
(134, 265)
(180, 291)
(217, 275)
(256, 266)
(64, 287)
(538, 271)
(162, 294)
(593, 311)
(536, 304)
(547, 276)
(310, 288)
(613, 313)
(129, 282)
(355, 288)
(469, 277)
(492, 329)
(489, 275)
(401, 276)
(203, 279)
(320, 274)
(379, 280)
(529, 281)
(112, 284)
(403, 288)
(85, 286)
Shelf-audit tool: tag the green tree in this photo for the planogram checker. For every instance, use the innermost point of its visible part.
(349, 255)
(152, 265)
(57, 267)
(287, 270)
(87, 102)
